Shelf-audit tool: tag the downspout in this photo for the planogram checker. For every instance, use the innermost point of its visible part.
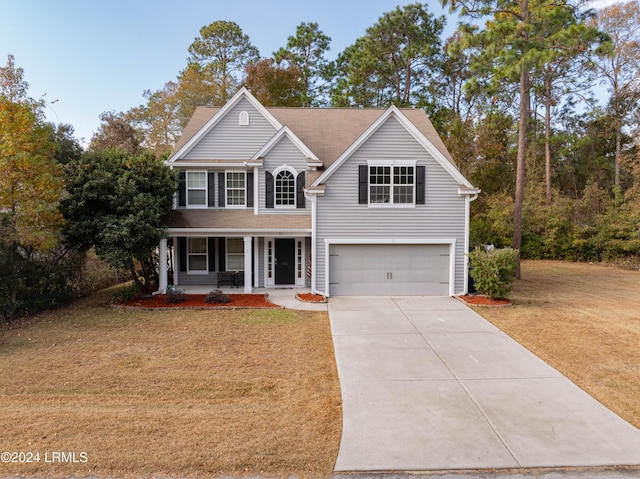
(466, 240)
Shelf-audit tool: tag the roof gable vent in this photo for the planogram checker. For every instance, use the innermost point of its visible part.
(244, 118)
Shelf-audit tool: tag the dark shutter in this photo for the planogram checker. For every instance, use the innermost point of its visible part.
(182, 188)
(300, 181)
(222, 263)
(420, 178)
(249, 189)
(211, 249)
(211, 189)
(221, 189)
(363, 184)
(269, 186)
(182, 253)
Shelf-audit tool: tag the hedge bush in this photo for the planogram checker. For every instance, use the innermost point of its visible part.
(493, 270)
(217, 296)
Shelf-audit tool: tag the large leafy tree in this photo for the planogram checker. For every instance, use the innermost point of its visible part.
(118, 203)
(621, 69)
(117, 131)
(30, 178)
(159, 119)
(392, 62)
(275, 85)
(306, 51)
(68, 148)
(519, 37)
(30, 185)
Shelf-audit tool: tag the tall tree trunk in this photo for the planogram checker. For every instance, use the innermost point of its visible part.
(616, 178)
(523, 129)
(525, 107)
(547, 139)
(618, 125)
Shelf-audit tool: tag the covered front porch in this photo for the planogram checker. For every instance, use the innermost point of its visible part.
(238, 249)
(235, 263)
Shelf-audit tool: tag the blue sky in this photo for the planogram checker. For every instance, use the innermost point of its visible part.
(90, 56)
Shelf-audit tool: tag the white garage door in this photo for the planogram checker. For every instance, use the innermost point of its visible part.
(383, 269)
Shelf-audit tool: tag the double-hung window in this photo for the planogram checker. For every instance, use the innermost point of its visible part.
(236, 188)
(235, 254)
(197, 188)
(197, 255)
(391, 184)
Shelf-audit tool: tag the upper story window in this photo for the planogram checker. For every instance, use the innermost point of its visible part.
(398, 183)
(196, 188)
(285, 188)
(391, 185)
(236, 188)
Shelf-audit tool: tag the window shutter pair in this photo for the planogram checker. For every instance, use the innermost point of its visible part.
(211, 248)
(270, 190)
(363, 184)
(222, 189)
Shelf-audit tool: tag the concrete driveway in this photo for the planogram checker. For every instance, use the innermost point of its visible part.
(428, 384)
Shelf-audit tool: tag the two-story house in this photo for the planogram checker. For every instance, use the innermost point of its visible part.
(344, 201)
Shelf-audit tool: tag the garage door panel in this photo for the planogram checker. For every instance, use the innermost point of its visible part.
(383, 269)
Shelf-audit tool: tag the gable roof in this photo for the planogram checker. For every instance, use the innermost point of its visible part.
(312, 159)
(327, 132)
(202, 129)
(413, 130)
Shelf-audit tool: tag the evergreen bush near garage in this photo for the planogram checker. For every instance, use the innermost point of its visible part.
(493, 270)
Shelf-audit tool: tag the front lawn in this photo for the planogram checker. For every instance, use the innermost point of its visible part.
(169, 393)
(584, 320)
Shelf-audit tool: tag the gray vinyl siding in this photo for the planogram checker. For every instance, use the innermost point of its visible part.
(228, 140)
(283, 153)
(441, 217)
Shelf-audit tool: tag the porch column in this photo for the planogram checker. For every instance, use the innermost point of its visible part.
(248, 273)
(162, 267)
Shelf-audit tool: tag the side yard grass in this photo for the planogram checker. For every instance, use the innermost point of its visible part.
(170, 393)
(584, 320)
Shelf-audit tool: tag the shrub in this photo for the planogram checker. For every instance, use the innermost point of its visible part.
(493, 270)
(127, 292)
(176, 296)
(217, 296)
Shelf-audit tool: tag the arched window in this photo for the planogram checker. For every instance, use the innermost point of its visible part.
(285, 188)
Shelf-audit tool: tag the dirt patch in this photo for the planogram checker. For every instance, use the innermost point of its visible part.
(196, 301)
(480, 300)
(584, 320)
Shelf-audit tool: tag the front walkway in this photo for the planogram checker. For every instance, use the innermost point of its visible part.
(427, 384)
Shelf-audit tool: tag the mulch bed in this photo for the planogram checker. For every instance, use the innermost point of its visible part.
(196, 301)
(311, 298)
(480, 300)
